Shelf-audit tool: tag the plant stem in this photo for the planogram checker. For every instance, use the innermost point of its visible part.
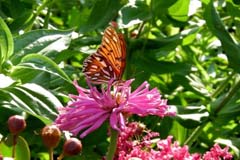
(194, 135)
(15, 136)
(50, 153)
(60, 157)
(113, 144)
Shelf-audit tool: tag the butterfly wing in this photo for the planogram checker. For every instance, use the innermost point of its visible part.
(109, 61)
(98, 69)
(113, 47)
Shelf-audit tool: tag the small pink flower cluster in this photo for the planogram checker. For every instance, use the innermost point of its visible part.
(216, 152)
(152, 148)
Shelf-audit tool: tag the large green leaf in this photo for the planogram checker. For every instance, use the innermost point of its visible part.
(34, 100)
(40, 41)
(31, 64)
(217, 27)
(6, 42)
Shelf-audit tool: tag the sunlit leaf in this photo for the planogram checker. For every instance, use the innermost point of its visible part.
(179, 10)
(6, 42)
(42, 42)
(5, 81)
(218, 29)
(192, 116)
(134, 13)
(34, 100)
(22, 151)
(160, 7)
(38, 63)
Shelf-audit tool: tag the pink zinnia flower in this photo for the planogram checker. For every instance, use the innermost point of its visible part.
(90, 108)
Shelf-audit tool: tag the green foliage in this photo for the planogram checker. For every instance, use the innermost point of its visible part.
(22, 149)
(6, 42)
(189, 50)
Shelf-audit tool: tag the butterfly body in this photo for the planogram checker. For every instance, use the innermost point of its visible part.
(109, 60)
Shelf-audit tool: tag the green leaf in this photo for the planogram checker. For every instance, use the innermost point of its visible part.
(165, 44)
(37, 62)
(179, 10)
(6, 42)
(237, 2)
(229, 110)
(134, 13)
(160, 7)
(5, 81)
(22, 151)
(77, 17)
(24, 22)
(191, 116)
(233, 9)
(34, 100)
(101, 16)
(197, 84)
(21, 14)
(190, 36)
(217, 27)
(43, 42)
(179, 132)
(5, 150)
(153, 66)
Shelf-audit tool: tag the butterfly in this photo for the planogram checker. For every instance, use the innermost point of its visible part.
(109, 61)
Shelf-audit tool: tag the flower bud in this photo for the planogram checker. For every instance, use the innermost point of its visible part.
(72, 146)
(51, 136)
(16, 124)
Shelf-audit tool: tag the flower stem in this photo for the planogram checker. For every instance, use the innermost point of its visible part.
(14, 145)
(113, 144)
(61, 156)
(194, 135)
(50, 151)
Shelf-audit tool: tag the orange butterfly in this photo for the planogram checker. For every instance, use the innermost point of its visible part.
(109, 61)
